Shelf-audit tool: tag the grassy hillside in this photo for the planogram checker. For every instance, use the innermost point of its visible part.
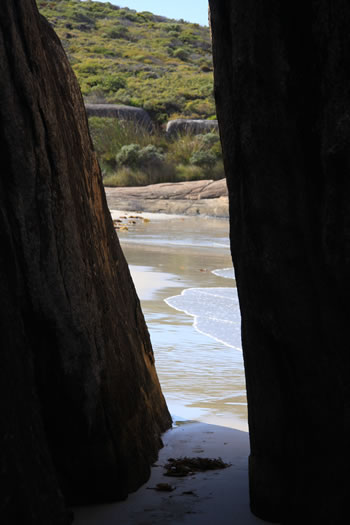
(139, 59)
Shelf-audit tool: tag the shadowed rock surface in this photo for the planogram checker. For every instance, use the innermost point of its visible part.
(138, 115)
(80, 402)
(282, 92)
(193, 126)
(205, 197)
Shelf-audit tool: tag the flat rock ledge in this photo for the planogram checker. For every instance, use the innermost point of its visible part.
(203, 197)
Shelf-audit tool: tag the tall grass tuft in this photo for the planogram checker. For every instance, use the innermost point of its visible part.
(129, 155)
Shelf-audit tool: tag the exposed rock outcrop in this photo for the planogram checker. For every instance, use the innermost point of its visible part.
(131, 113)
(80, 402)
(202, 197)
(282, 93)
(194, 126)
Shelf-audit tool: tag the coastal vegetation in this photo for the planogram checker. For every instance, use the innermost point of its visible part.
(129, 155)
(144, 60)
(136, 58)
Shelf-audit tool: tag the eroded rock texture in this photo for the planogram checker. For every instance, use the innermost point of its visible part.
(129, 113)
(283, 99)
(190, 126)
(81, 406)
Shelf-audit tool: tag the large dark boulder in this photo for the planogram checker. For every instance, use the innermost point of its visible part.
(282, 92)
(81, 407)
(138, 116)
(192, 126)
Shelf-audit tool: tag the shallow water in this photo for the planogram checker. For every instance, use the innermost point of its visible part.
(183, 273)
(215, 310)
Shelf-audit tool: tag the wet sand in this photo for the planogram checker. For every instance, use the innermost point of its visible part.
(202, 380)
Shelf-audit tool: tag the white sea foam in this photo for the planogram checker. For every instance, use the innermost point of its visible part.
(215, 310)
(222, 244)
(227, 273)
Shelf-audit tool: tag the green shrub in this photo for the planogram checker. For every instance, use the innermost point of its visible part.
(188, 37)
(198, 108)
(92, 81)
(118, 31)
(129, 155)
(204, 159)
(147, 158)
(89, 67)
(146, 16)
(172, 28)
(113, 83)
(217, 150)
(99, 50)
(133, 17)
(151, 155)
(181, 54)
(208, 140)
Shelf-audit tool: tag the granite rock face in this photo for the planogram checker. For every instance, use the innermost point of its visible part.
(193, 126)
(130, 113)
(81, 407)
(282, 93)
(201, 197)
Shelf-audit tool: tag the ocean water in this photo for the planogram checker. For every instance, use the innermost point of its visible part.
(183, 274)
(215, 311)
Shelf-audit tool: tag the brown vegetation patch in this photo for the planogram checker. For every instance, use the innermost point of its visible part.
(185, 466)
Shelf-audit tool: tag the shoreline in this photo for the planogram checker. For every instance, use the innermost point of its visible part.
(219, 496)
(201, 377)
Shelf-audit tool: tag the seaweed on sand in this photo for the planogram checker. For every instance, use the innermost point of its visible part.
(185, 466)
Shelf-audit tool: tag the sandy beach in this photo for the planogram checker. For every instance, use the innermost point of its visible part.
(202, 380)
(218, 496)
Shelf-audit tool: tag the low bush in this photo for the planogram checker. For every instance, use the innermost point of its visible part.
(181, 54)
(209, 139)
(172, 28)
(113, 83)
(204, 159)
(151, 155)
(129, 155)
(116, 32)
